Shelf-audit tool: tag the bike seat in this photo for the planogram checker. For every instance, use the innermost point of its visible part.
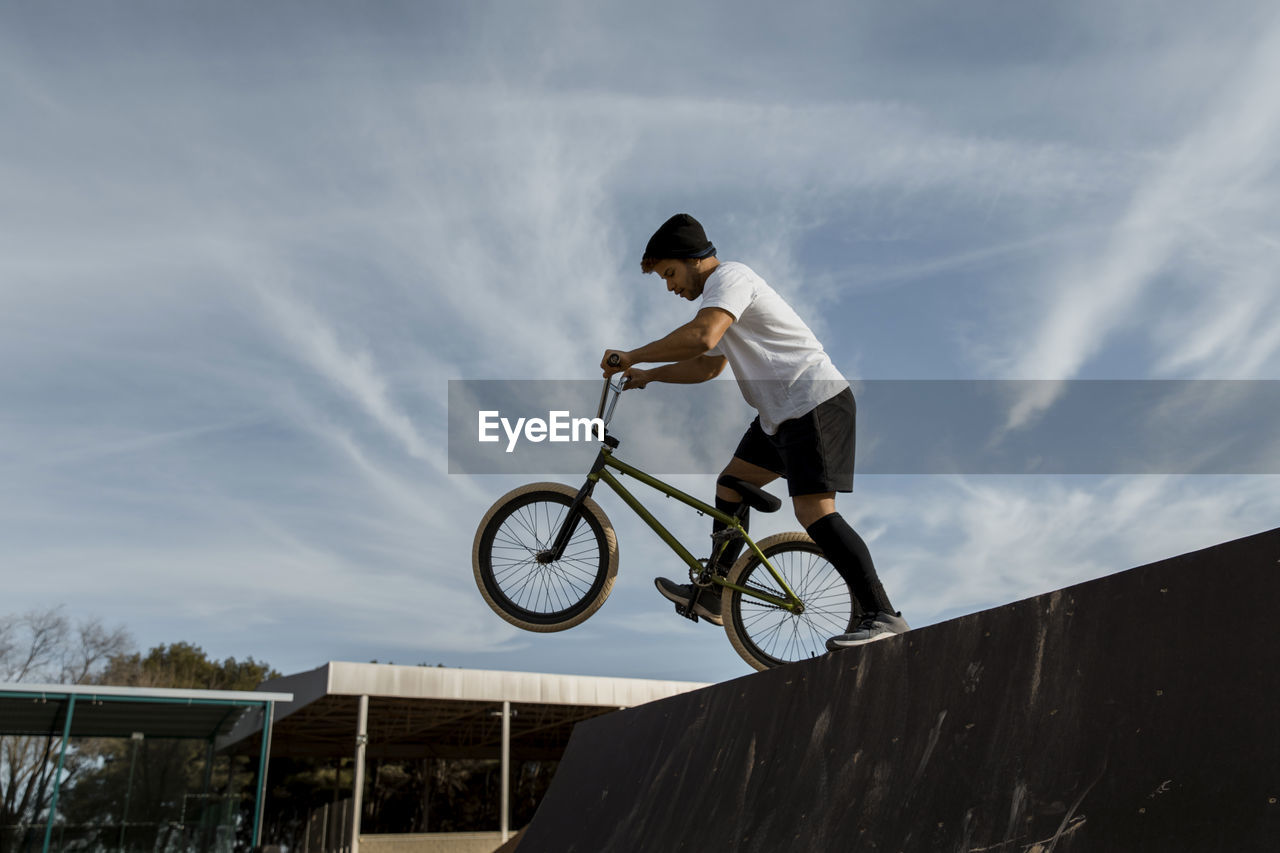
(753, 496)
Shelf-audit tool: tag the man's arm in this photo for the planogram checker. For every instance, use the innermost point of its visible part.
(700, 368)
(686, 343)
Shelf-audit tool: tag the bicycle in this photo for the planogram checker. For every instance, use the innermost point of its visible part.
(545, 558)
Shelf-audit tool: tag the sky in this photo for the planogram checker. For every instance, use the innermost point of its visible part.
(245, 247)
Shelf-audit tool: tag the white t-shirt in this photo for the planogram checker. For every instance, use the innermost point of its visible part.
(781, 368)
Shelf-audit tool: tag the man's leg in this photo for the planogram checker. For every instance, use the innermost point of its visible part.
(818, 450)
(843, 547)
(727, 501)
(848, 553)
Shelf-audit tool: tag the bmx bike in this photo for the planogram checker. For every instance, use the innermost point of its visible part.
(545, 557)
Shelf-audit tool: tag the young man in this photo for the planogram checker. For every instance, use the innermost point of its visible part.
(805, 427)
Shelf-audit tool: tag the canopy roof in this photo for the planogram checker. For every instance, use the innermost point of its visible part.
(102, 711)
(438, 712)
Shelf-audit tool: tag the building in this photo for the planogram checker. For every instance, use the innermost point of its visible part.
(82, 756)
(358, 713)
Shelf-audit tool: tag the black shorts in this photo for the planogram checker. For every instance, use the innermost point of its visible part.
(814, 452)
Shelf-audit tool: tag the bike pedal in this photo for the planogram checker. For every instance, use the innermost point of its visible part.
(687, 612)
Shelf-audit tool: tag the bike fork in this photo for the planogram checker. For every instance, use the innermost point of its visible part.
(570, 524)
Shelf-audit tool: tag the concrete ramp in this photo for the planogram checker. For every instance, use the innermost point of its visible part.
(1138, 712)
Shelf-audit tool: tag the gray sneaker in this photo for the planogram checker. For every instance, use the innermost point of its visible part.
(708, 606)
(880, 625)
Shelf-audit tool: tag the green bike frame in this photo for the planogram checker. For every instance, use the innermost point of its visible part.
(600, 473)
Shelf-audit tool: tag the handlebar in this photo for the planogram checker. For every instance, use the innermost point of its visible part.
(613, 383)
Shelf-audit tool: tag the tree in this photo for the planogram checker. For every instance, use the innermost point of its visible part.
(42, 646)
(184, 665)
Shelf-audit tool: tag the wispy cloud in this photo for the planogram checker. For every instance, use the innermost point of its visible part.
(1190, 199)
(1227, 329)
(1008, 538)
(353, 371)
(239, 265)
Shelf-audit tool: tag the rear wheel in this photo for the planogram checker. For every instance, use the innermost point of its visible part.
(767, 635)
(512, 566)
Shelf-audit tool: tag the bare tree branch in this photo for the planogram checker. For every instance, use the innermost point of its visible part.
(45, 633)
(41, 646)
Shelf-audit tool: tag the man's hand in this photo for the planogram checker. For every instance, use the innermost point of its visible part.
(617, 365)
(636, 378)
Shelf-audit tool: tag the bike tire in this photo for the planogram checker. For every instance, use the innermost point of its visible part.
(767, 636)
(534, 596)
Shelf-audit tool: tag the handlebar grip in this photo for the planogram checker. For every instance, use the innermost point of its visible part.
(614, 360)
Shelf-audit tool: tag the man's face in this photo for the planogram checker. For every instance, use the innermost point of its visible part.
(681, 277)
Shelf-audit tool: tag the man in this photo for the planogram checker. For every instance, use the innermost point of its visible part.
(805, 427)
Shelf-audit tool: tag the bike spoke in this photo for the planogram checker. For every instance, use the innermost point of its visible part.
(543, 588)
(779, 634)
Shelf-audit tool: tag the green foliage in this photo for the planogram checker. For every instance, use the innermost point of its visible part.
(185, 665)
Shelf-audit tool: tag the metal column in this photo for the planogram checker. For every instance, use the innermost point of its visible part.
(207, 832)
(57, 774)
(268, 712)
(357, 798)
(136, 738)
(505, 823)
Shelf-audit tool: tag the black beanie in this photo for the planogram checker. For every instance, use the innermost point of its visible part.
(681, 236)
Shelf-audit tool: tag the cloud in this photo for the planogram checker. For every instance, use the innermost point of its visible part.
(239, 264)
(1192, 197)
(1226, 329)
(1007, 538)
(352, 371)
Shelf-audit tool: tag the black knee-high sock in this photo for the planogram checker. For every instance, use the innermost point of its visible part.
(731, 551)
(848, 553)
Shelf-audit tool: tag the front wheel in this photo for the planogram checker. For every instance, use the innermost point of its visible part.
(767, 635)
(511, 562)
